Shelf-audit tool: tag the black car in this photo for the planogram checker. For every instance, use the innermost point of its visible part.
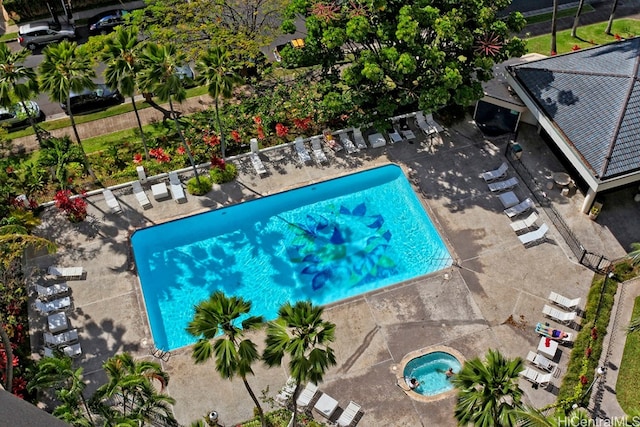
(93, 99)
(104, 22)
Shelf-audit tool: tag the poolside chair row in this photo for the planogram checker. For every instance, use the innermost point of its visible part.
(559, 315)
(328, 405)
(541, 362)
(160, 191)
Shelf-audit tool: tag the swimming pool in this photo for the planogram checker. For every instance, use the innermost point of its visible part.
(324, 242)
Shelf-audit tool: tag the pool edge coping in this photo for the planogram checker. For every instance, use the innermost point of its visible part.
(398, 370)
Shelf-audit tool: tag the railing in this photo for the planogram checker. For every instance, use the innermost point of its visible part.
(595, 262)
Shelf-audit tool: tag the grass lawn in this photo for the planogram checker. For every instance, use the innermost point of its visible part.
(589, 36)
(543, 17)
(125, 107)
(627, 390)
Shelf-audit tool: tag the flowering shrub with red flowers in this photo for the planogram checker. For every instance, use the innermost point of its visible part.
(159, 155)
(281, 130)
(584, 380)
(302, 124)
(588, 351)
(74, 208)
(181, 150)
(137, 158)
(235, 135)
(617, 37)
(210, 139)
(258, 121)
(217, 162)
(575, 47)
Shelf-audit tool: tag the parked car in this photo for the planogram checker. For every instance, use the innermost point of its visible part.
(40, 33)
(16, 115)
(105, 22)
(93, 99)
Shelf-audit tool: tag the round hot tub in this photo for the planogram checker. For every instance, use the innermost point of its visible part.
(432, 369)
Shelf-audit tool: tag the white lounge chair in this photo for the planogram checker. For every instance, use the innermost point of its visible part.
(495, 174)
(286, 392)
(307, 394)
(57, 289)
(424, 126)
(66, 272)
(559, 315)
(432, 122)
(112, 202)
(64, 338)
(536, 377)
(303, 154)
(348, 144)
(534, 236)
(177, 192)
(255, 158)
(141, 196)
(359, 139)
(395, 136)
(51, 306)
(520, 208)
(505, 185)
(377, 140)
(524, 224)
(563, 301)
(73, 350)
(540, 361)
(318, 152)
(408, 135)
(348, 415)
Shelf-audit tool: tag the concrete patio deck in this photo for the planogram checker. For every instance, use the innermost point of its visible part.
(491, 298)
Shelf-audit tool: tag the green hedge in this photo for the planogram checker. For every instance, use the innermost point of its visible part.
(583, 363)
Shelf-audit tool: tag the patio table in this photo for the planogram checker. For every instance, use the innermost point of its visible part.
(562, 179)
(326, 405)
(548, 351)
(57, 322)
(508, 199)
(160, 191)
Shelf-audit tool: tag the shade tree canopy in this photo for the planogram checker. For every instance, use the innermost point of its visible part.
(429, 53)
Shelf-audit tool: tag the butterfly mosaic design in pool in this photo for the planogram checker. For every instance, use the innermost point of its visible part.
(350, 245)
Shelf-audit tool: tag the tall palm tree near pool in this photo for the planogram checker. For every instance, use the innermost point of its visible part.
(612, 15)
(123, 65)
(554, 24)
(215, 70)
(300, 333)
(215, 324)
(65, 69)
(576, 19)
(19, 81)
(130, 384)
(488, 392)
(159, 76)
(57, 373)
(532, 417)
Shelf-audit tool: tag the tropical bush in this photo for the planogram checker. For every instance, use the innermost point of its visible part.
(223, 172)
(587, 347)
(199, 187)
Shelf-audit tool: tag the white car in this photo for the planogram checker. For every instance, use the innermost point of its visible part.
(16, 115)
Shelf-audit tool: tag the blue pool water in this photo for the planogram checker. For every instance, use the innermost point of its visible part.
(430, 371)
(324, 242)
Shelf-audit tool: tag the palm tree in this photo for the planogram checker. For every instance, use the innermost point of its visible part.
(614, 6)
(158, 76)
(532, 417)
(58, 373)
(64, 69)
(300, 333)
(554, 23)
(215, 325)
(130, 383)
(214, 69)
(18, 80)
(121, 56)
(488, 392)
(576, 20)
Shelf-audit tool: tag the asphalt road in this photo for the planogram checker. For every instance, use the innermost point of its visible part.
(526, 6)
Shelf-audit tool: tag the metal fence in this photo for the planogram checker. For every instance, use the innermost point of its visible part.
(596, 262)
